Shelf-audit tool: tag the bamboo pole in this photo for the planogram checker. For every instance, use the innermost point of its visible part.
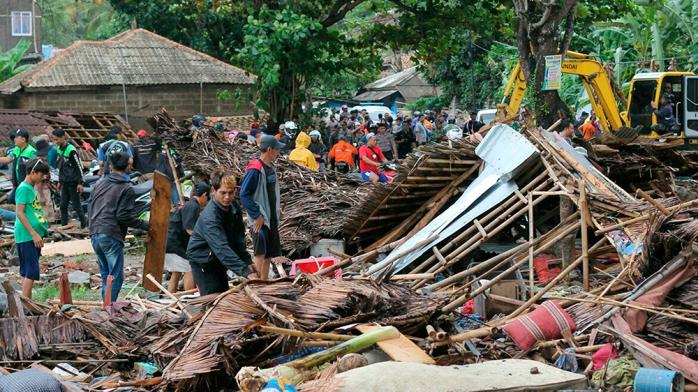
(585, 233)
(363, 257)
(655, 203)
(641, 218)
(167, 292)
(491, 220)
(305, 335)
(477, 240)
(550, 242)
(550, 284)
(531, 236)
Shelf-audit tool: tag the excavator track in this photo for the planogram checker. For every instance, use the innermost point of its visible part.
(623, 135)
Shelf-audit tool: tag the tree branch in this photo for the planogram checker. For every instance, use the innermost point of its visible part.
(569, 30)
(338, 11)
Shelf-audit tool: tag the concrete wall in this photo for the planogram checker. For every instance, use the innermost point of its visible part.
(7, 40)
(181, 101)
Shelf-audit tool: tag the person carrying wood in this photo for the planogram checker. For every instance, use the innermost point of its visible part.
(181, 226)
(30, 224)
(261, 196)
(111, 213)
(217, 243)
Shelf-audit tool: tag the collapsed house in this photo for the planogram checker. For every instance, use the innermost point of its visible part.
(471, 270)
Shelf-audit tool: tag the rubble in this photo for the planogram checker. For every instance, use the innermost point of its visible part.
(463, 255)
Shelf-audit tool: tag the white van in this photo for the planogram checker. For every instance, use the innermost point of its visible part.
(486, 116)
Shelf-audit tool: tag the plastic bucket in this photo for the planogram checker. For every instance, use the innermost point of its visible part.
(658, 380)
(322, 247)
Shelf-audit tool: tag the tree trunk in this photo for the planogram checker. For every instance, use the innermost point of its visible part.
(540, 34)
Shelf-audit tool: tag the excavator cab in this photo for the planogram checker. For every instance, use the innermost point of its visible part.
(680, 88)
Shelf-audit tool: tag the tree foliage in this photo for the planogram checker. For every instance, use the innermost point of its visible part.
(9, 60)
(65, 21)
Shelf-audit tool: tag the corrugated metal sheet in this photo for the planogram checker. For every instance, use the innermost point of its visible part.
(136, 57)
(374, 95)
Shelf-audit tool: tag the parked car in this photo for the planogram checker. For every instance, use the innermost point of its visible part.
(486, 116)
(374, 111)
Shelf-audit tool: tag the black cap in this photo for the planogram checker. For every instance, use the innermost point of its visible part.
(267, 141)
(58, 132)
(201, 188)
(585, 114)
(22, 132)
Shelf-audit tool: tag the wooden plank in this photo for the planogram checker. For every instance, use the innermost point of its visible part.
(14, 302)
(67, 248)
(159, 219)
(400, 349)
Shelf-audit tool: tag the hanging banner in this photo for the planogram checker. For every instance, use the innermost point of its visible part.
(553, 72)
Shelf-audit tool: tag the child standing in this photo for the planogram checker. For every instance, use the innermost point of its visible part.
(30, 224)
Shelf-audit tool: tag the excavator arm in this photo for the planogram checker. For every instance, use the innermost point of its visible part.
(595, 80)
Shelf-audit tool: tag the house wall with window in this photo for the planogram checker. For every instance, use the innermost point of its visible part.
(20, 19)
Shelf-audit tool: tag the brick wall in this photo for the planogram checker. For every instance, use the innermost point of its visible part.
(181, 101)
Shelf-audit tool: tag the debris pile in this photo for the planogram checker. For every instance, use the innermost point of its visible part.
(483, 257)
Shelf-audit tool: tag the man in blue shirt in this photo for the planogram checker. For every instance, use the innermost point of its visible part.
(666, 121)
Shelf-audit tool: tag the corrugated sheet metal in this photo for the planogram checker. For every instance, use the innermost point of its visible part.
(374, 95)
(136, 57)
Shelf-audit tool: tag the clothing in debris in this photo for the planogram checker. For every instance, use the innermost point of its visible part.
(29, 380)
(261, 196)
(218, 244)
(301, 155)
(146, 153)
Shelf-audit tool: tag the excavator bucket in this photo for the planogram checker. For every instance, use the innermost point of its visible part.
(624, 135)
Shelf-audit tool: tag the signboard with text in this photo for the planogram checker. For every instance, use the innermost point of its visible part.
(553, 72)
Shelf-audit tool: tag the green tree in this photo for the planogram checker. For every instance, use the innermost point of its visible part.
(65, 21)
(9, 60)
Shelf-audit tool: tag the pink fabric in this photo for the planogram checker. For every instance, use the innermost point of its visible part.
(546, 322)
(603, 355)
(669, 359)
(637, 318)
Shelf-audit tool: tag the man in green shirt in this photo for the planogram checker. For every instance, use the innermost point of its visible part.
(30, 224)
(19, 156)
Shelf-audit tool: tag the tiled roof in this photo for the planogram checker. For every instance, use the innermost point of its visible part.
(135, 57)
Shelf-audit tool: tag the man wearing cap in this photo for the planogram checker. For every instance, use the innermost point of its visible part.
(69, 177)
(181, 226)
(261, 198)
(370, 157)
(146, 153)
(111, 213)
(18, 157)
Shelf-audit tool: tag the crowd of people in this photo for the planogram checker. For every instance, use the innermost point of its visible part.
(351, 141)
(206, 234)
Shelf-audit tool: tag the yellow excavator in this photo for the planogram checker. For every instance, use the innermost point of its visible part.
(645, 89)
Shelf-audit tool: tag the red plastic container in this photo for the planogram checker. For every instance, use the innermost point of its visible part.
(315, 264)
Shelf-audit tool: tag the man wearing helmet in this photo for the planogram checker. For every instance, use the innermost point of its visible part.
(287, 136)
(317, 147)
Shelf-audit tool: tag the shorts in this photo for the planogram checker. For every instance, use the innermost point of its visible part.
(381, 177)
(176, 263)
(29, 256)
(266, 243)
(210, 278)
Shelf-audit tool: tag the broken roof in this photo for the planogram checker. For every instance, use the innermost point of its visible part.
(135, 57)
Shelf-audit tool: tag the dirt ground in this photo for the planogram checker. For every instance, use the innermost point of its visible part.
(53, 266)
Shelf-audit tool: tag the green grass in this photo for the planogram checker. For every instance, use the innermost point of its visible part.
(78, 293)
